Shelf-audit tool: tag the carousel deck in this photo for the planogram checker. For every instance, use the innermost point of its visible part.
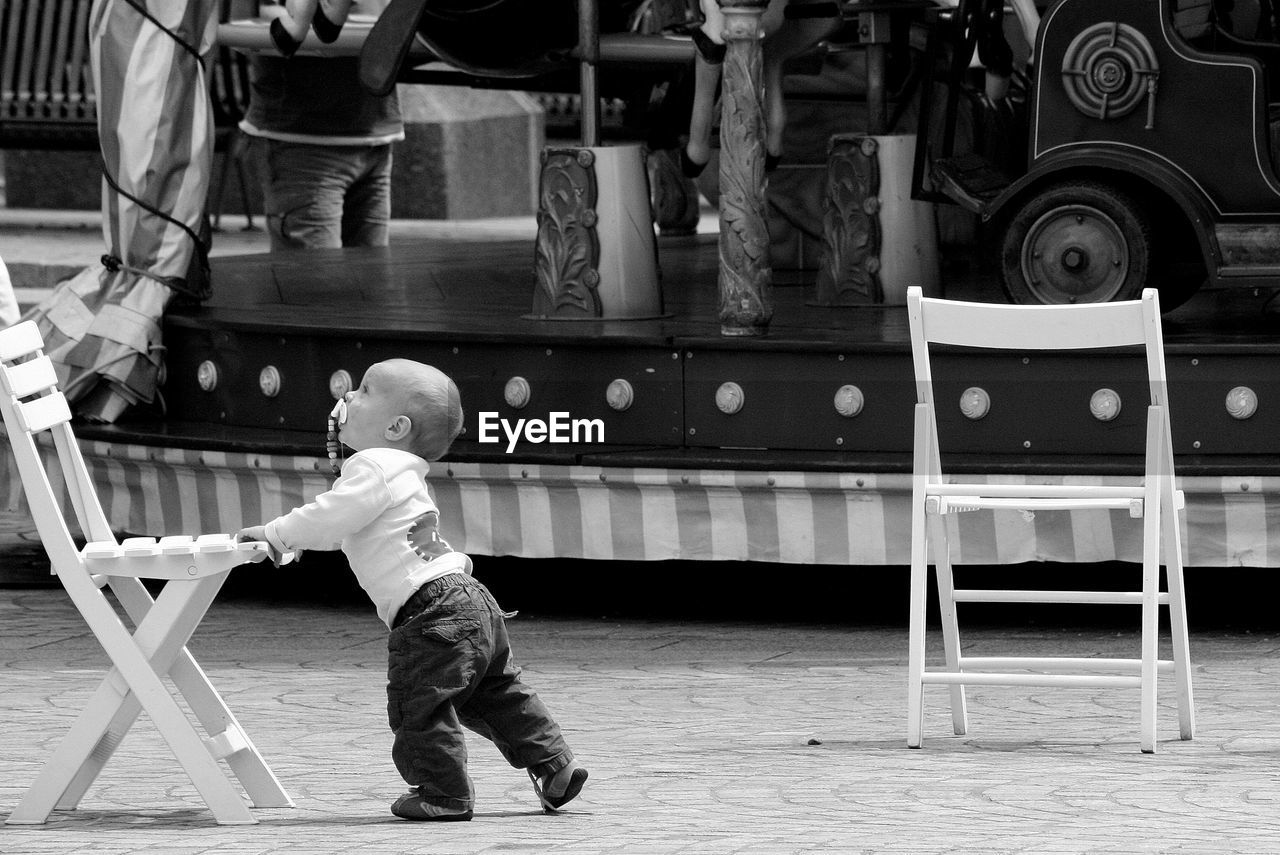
(463, 305)
(787, 477)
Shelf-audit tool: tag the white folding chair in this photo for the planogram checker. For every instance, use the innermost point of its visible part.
(193, 570)
(934, 497)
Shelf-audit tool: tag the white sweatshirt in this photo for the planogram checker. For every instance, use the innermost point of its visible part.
(380, 514)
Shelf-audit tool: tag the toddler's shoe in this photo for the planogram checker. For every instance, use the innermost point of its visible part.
(559, 788)
(412, 806)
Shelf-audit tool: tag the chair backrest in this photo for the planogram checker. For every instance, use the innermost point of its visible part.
(997, 326)
(31, 404)
(1107, 329)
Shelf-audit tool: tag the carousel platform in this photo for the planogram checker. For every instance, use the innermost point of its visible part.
(679, 443)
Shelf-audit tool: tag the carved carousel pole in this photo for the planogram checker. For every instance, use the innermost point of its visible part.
(746, 305)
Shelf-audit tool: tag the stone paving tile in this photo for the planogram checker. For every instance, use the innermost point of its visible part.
(701, 738)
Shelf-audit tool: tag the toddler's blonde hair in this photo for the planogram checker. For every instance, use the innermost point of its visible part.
(431, 401)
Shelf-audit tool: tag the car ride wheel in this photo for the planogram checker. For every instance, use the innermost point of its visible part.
(1077, 242)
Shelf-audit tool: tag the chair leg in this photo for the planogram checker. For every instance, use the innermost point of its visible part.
(90, 735)
(1178, 620)
(161, 636)
(950, 623)
(135, 678)
(112, 735)
(1150, 625)
(248, 765)
(138, 603)
(916, 626)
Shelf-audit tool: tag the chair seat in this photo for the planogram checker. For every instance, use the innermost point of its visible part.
(950, 498)
(173, 557)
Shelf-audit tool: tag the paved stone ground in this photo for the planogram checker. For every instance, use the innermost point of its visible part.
(700, 737)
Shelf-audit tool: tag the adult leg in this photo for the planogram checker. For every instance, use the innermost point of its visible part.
(304, 192)
(366, 214)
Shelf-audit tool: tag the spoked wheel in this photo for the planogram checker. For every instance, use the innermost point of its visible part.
(1076, 242)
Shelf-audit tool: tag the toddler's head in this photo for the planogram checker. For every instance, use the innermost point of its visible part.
(403, 404)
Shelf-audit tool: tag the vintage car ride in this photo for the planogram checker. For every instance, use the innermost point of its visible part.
(1152, 143)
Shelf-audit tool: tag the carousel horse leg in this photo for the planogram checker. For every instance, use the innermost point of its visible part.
(709, 57)
(785, 40)
(697, 151)
(1029, 21)
(329, 18)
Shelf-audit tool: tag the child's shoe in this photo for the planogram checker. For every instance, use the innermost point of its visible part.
(412, 806)
(560, 787)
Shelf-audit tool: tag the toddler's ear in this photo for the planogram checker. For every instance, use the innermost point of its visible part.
(399, 428)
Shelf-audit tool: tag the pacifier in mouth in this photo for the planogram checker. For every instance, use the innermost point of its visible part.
(337, 418)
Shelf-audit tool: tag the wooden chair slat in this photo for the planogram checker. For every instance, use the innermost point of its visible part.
(43, 413)
(20, 340)
(28, 378)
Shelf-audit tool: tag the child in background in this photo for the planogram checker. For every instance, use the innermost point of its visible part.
(449, 658)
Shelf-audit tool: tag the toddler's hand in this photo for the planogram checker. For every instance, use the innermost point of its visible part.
(258, 533)
(253, 532)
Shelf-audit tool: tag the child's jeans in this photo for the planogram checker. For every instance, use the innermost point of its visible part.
(449, 664)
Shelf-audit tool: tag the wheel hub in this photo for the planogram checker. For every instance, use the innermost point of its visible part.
(1075, 254)
(1075, 259)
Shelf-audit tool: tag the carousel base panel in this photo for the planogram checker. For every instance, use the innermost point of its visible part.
(636, 513)
(649, 513)
(791, 447)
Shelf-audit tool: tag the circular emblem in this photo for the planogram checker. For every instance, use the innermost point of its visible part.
(1242, 402)
(269, 381)
(517, 393)
(1105, 405)
(339, 383)
(730, 398)
(849, 401)
(975, 403)
(1108, 69)
(207, 375)
(620, 395)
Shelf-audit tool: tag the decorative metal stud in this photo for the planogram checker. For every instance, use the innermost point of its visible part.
(730, 398)
(620, 395)
(269, 381)
(1105, 405)
(339, 383)
(517, 393)
(207, 375)
(849, 401)
(975, 403)
(1242, 402)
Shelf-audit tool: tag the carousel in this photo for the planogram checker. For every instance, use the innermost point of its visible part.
(635, 392)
